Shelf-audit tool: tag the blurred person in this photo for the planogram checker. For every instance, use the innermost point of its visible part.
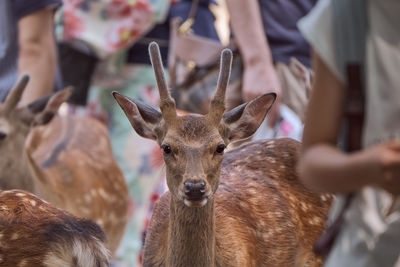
(27, 45)
(140, 159)
(370, 232)
(268, 37)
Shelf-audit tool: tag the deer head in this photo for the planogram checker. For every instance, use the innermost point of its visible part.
(15, 123)
(193, 145)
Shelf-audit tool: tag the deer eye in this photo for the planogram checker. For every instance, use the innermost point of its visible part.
(220, 149)
(167, 149)
(2, 136)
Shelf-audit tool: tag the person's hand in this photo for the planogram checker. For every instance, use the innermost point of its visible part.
(259, 79)
(386, 157)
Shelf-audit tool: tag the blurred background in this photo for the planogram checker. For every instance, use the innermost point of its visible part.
(100, 46)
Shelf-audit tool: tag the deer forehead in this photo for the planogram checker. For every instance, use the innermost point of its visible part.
(191, 148)
(192, 129)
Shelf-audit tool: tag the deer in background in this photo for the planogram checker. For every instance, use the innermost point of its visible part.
(65, 160)
(35, 233)
(245, 209)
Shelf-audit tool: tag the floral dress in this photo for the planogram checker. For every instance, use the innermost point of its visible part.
(108, 26)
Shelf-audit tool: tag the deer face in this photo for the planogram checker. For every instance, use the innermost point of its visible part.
(193, 145)
(193, 153)
(10, 131)
(5, 129)
(15, 124)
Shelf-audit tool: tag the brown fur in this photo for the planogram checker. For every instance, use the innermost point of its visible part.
(83, 178)
(35, 233)
(66, 160)
(263, 215)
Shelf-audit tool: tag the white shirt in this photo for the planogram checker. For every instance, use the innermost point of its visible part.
(369, 237)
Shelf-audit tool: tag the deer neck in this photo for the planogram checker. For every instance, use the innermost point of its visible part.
(15, 172)
(191, 235)
(20, 178)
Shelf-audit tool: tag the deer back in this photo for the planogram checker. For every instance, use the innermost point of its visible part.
(65, 160)
(35, 233)
(72, 161)
(285, 218)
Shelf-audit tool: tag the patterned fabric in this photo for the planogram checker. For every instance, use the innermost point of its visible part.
(140, 159)
(110, 25)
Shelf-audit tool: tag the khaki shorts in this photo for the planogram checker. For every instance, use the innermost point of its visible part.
(295, 80)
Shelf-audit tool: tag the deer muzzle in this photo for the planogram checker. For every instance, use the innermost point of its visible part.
(195, 192)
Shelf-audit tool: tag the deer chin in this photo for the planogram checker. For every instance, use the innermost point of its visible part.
(195, 203)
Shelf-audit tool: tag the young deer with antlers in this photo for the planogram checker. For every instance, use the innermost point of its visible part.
(248, 209)
(35, 233)
(66, 160)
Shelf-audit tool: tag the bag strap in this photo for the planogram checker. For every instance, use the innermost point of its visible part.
(354, 116)
(185, 27)
(178, 28)
(355, 107)
(350, 23)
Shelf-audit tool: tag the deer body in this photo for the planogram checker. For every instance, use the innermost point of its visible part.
(246, 208)
(74, 169)
(35, 233)
(65, 160)
(260, 216)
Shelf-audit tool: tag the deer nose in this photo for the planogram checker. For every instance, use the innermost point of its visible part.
(194, 190)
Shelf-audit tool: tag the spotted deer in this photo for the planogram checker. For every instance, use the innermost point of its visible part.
(246, 208)
(35, 233)
(65, 160)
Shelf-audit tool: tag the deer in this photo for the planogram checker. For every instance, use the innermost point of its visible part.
(244, 208)
(35, 233)
(65, 160)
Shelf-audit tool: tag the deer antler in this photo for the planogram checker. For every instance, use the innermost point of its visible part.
(15, 94)
(167, 103)
(217, 106)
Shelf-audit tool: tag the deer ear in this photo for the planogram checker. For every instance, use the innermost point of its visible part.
(244, 120)
(142, 117)
(42, 111)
